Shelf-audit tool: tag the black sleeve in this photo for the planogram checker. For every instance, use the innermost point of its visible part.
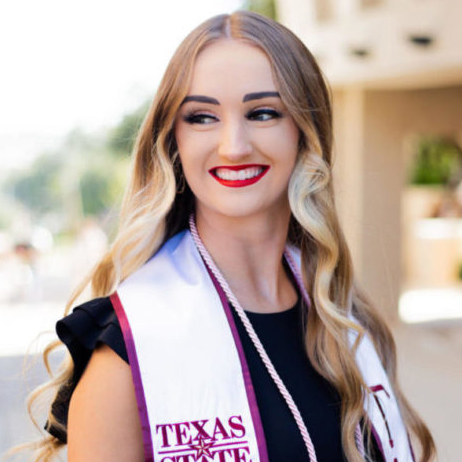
(89, 325)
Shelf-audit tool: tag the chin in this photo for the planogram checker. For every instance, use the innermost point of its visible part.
(240, 210)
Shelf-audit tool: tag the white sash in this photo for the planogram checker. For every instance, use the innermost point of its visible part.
(192, 382)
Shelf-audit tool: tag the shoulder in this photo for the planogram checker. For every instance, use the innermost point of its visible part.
(90, 327)
(103, 415)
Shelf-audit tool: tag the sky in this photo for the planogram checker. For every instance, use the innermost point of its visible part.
(68, 64)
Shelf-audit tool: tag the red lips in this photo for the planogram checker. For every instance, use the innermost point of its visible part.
(255, 172)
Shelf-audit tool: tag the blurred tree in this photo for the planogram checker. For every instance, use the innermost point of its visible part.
(84, 176)
(38, 187)
(81, 142)
(437, 160)
(265, 7)
(94, 190)
(122, 137)
(101, 184)
(8, 207)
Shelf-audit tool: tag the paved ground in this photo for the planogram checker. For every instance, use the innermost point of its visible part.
(430, 369)
(430, 366)
(17, 379)
(19, 326)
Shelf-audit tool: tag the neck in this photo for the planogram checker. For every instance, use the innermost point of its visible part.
(249, 253)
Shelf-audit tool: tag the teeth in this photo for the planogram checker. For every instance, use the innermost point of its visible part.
(234, 175)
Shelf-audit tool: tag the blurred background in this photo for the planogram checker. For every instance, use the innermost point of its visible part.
(76, 81)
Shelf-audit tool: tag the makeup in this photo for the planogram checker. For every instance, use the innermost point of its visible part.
(238, 176)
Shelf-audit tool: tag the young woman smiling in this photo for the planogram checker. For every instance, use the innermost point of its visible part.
(226, 323)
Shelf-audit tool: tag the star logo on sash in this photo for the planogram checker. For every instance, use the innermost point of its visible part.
(202, 448)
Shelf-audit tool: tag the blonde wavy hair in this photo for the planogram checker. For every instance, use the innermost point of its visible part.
(154, 209)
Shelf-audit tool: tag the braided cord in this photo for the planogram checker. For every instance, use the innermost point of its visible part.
(359, 440)
(256, 341)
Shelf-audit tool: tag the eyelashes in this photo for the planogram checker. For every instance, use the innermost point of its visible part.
(199, 118)
(263, 114)
(259, 115)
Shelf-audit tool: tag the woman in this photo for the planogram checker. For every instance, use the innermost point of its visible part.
(229, 326)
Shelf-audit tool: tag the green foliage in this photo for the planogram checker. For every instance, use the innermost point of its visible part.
(437, 161)
(84, 176)
(459, 273)
(122, 137)
(38, 187)
(79, 141)
(265, 7)
(94, 189)
(101, 184)
(8, 207)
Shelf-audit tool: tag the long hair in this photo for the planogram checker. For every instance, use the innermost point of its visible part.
(155, 208)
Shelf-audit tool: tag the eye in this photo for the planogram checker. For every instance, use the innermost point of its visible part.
(199, 118)
(264, 114)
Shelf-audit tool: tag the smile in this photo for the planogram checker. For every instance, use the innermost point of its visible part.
(237, 176)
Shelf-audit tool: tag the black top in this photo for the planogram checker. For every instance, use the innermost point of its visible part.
(282, 336)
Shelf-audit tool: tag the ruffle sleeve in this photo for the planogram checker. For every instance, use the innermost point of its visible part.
(89, 325)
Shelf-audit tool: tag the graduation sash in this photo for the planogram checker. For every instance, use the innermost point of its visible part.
(192, 383)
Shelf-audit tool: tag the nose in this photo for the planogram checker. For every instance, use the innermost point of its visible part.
(234, 140)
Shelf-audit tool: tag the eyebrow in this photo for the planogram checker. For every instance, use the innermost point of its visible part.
(247, 97)
(201, 99)
(260, 95)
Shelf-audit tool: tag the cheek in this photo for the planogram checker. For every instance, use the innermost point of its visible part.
(191, 149)
(182, 138)
(291, 141)
(281, 144)
(191, 145)
(188, 151)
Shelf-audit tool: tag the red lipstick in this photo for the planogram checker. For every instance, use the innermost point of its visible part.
(238, 176)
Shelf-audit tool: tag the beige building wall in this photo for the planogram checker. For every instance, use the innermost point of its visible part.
(379, 42)
(371, 127)
(393, 89)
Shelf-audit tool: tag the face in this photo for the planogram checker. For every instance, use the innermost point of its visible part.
(236, 140)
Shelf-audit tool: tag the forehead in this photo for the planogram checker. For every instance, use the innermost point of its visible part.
(232, 67)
